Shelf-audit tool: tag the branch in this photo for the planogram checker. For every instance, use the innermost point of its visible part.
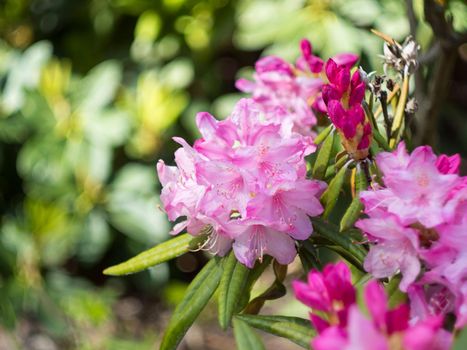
(431, 104)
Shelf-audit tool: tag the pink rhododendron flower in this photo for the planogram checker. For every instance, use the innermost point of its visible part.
(396, 249)
(243, 183)
(343, 97)
(418, 222)
(293, 89)
(331, 293)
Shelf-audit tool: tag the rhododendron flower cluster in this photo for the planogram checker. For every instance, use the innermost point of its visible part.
(418, 224)
(244, 183)
(343, 97)
(292, 88)
(341, 325)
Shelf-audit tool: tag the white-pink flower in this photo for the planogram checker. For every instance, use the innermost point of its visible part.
(288, 92)
(244, 183)
(417, 222)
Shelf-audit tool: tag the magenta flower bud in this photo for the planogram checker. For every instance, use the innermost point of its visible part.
(345, 59)
(448, 165)
(273, 64)
(314, 63)
(306, 48)
(342, 325)
(343, 97)
(330, 292)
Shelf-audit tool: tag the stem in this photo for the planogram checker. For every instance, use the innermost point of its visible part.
(384, 107)
(413, 23)
(446, 41)
(398, 117)
(389, 99)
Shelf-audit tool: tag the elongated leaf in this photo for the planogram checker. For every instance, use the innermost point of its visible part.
(275, 291)
(258, 270)
(380, 140)
(397, 124)
(351, 214)
(322, 160)
(376, 134)
(341, 243)
(196, 297)
(353, 211)
(396, 297)
(309, 256)
(330, 196)
(231, 289)
(157, 255)
(295, 329)
(245, 337)
(323, 134)
(460, 342)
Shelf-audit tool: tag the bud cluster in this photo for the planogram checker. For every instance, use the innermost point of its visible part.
(343, 97)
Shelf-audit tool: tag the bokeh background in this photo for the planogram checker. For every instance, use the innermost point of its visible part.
(91, 92)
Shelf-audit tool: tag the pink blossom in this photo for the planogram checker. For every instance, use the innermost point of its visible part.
(244, 184)
(258, 240)
(395, 249)
(417, 226)
(293, 90)
(419, 190)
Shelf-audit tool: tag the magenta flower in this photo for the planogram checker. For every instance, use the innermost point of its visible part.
(343, 96)
(390, 329)
(342, 326)
(329, 292)
(448, 165)
(243, 183)
(385, 329)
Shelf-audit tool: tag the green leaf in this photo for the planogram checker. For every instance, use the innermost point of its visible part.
(258, 270)
(297, 330)
(396, 297)
(110, 127)
(24, 73)
(380, 140)
(94, 239)
(245, 337)
(354, 210)
(275, 291)
(231, 288)
(196, 297)
(309, 256)
(339, 242)
(131, 201)
(322, 160)
(330, 196)
(177, 74)
(99, 87)
(323, 134)
(351, 214)
(461, 341)
(156, 255)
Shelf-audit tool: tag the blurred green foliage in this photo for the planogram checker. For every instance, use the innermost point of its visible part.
(90, 93)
